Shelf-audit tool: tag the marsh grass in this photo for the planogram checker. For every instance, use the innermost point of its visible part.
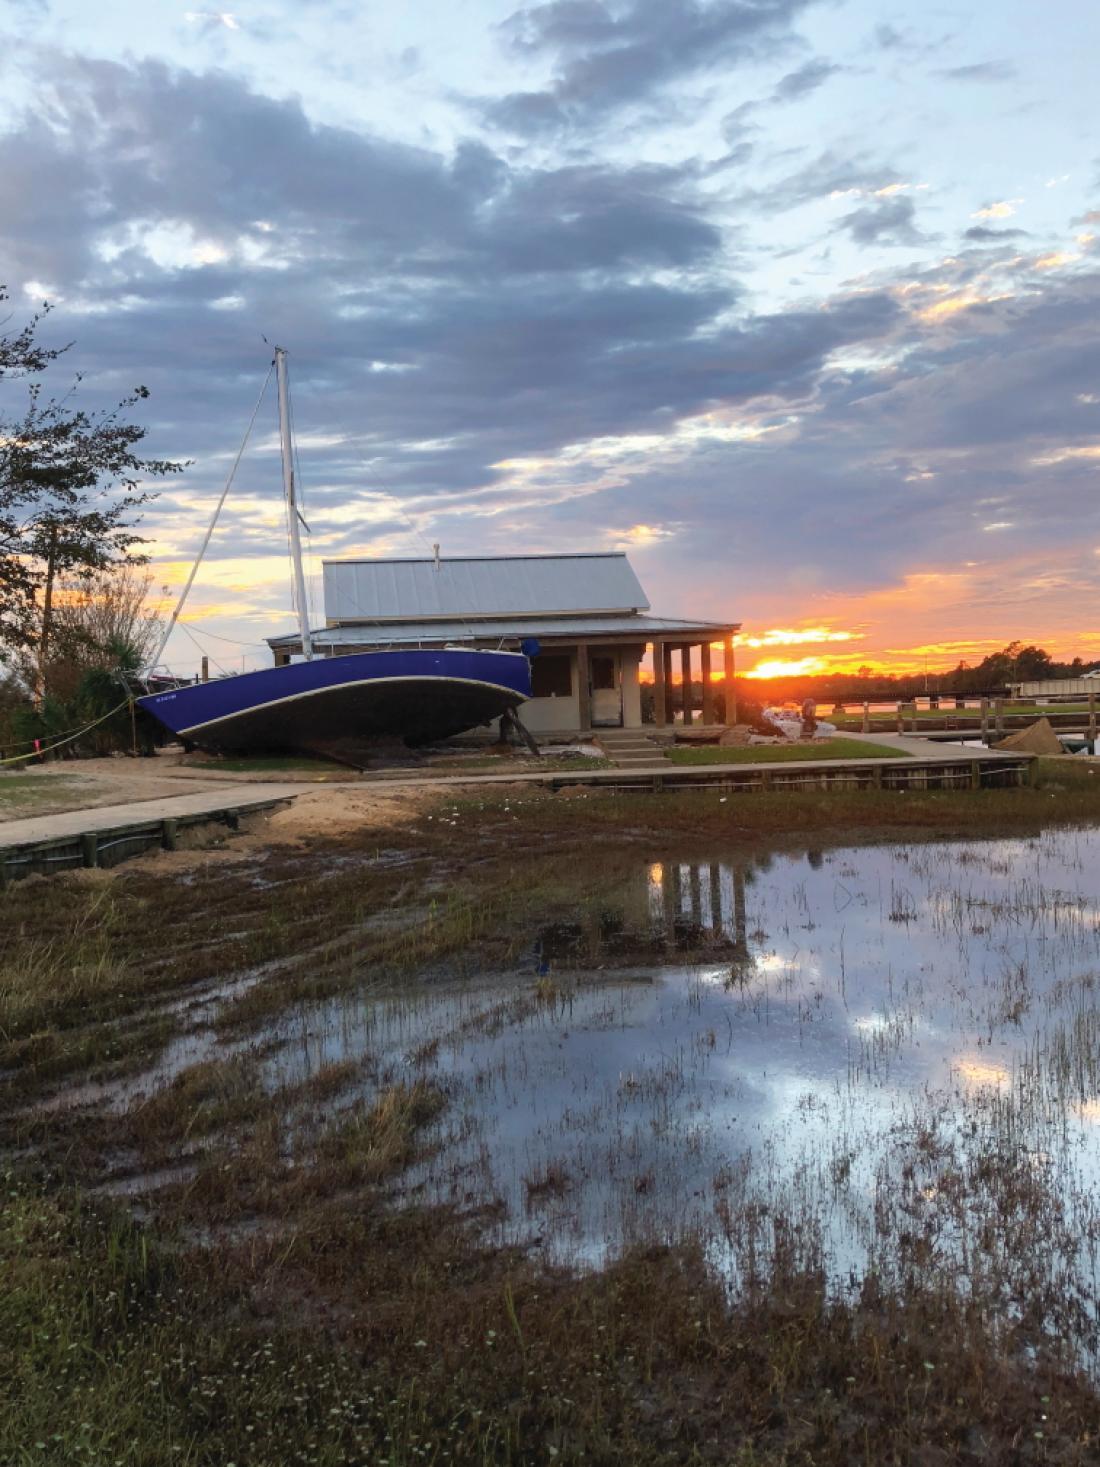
(296, 1301)
(367, 1336)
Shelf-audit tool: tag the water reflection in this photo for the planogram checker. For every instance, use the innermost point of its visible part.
(897, 1047)
(668, 907)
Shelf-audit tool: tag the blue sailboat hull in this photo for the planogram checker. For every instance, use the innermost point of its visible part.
(415, 695)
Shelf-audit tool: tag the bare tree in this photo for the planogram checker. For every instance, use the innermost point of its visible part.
(107, 620)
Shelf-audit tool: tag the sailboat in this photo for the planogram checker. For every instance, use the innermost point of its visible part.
(325, 704)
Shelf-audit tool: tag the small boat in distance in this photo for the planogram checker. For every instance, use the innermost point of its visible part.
(327, 704)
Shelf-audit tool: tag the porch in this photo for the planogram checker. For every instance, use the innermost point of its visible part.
(584, 685)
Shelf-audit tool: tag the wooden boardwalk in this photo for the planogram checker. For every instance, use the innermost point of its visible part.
(925, 768)
(107, 834)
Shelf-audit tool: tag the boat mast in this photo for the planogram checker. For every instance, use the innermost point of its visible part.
(291, 504)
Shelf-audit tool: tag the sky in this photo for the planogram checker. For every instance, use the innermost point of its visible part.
(797, 301)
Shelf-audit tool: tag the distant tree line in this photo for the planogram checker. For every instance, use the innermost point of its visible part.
(1018, 662)
(73, 603)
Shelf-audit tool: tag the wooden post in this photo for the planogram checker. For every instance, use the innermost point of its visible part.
(901, 718)
(685, 682)
(584, 691)
(660, 686)
(731, 687)
(89, 848)
(1092, 720)
(169, 834)
(708, 686)
(205, 668)
(985, 720)
(866, 717)
(914, 727)
(999, 716)
(975, 775)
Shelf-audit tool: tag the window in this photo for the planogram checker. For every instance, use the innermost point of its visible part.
(603, 673)
(551, 677)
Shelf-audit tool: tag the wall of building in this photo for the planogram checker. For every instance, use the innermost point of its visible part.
(551, 715)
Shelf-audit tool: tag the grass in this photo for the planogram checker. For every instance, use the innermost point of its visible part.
(288, 1303)
(783, 753)
(365, 1336)
(275, 764)
(22, 794)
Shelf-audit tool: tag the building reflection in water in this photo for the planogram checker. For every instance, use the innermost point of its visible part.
(666, 907)
(694, 903)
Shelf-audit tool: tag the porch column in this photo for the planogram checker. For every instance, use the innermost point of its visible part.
(670, 696)
(708, 686)
(660, 706)
(584, 692)
(685, 680)
(731, 695)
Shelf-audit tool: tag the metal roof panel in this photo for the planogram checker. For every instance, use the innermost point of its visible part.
(480, 586)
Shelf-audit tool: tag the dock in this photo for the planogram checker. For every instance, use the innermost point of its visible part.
(967, 769)
(104, 836)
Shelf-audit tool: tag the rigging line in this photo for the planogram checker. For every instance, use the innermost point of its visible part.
(213, 521)
(237, 641)
(185, 628)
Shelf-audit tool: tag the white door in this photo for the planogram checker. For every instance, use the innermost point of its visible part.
(605, 673)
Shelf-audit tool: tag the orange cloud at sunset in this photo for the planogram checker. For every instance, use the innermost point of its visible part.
(931, 620)
(785, 637)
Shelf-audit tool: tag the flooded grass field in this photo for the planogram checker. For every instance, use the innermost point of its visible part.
(811, 1133)
(886, 1058)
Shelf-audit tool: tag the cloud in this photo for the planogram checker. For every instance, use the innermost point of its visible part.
(888, 38)
(496, 348)
(606, 57)
(982, 234)
(999, 209)
(980, 71)
(213, 20)
(831, 173)
(804, 80)
(891, 222)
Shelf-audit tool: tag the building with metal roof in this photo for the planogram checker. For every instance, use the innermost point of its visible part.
(584, 618)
